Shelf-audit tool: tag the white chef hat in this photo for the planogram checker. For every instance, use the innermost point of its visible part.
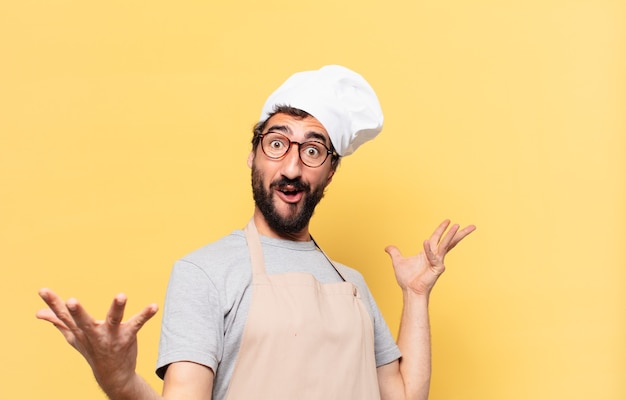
(342, 100)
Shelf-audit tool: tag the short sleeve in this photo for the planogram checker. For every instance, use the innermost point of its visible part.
(192, 328)
(386, 349)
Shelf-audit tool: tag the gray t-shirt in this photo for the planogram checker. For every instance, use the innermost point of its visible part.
(208, 297)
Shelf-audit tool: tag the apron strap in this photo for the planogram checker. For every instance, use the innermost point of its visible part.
(329, 260)
(254, 247)
(256, 251)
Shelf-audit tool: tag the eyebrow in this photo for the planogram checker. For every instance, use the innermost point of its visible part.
(280, 128)
(309, 135)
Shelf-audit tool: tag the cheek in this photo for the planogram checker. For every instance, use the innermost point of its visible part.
(261, 175)
(327, 175)
(319, 180)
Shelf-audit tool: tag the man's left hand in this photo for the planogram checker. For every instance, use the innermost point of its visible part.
(419, 273)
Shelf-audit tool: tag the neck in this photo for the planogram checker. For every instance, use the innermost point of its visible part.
(264, 229)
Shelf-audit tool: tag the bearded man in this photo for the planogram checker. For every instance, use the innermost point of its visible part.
(264, 313)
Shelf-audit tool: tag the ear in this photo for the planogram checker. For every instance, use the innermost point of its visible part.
(250, 159)
(330, 177)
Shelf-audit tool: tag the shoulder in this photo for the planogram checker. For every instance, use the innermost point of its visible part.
(355, 277)
(351, 274)
(224, 263)
(228, 250)
(219, 271)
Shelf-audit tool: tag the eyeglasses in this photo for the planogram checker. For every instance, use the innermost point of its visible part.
(312, 153)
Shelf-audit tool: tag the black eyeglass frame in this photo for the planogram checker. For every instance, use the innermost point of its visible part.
(291, 142)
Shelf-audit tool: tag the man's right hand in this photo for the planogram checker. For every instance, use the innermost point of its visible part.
(109, 346)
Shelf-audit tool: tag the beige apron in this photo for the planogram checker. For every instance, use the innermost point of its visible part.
(303, 339)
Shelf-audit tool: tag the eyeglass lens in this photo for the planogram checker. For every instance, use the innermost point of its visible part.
(276, 145)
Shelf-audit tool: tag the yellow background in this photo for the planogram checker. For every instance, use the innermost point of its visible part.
(125, 126)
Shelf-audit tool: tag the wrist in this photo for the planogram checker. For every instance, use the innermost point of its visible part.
(119, 386)
(416, 297)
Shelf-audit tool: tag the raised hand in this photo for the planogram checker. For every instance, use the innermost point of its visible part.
(419, 273)
(109, 345)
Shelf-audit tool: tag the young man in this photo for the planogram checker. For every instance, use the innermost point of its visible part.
(263, 313)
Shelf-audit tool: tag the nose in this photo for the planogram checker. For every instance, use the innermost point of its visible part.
(291, 164)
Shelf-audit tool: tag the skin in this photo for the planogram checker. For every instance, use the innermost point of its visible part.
(110, 345)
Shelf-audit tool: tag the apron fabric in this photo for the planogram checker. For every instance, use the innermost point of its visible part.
(303, 339)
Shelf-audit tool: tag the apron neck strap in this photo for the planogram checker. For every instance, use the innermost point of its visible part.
(329, 260)
(254, 247)
(256, 251)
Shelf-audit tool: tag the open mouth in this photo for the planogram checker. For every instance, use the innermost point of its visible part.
(289, 193)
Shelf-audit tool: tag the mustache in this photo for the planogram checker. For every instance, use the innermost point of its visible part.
(294, 184)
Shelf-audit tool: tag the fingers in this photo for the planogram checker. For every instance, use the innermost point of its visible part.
(393, 252)
(48, 315)
(116, 311)
(137, 321)
(83, 320)
(57, 305)
(80, 329)
(57, 314)
(71, 318)
(448, 238)
(438, 242)
(71, 314)
(436, 236)
(460, 235)
(452, 237)
(113, 319)
(435, 261)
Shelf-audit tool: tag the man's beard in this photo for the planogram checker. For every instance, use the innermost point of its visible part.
(296, 221)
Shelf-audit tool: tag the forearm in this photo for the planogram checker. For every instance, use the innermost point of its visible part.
(416, 276)
(414, 343)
